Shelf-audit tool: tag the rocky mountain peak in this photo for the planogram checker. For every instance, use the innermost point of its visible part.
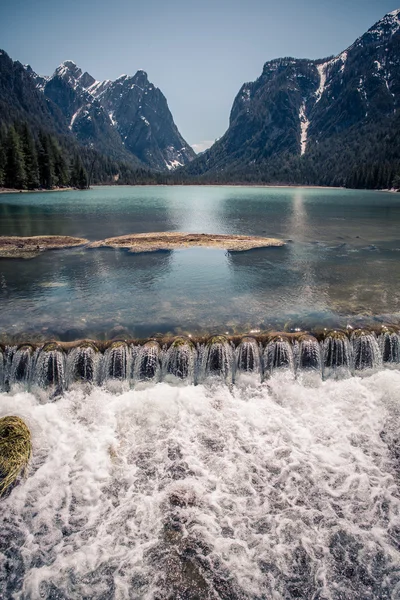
(140, 78)
(127, 118)
(382, 31)
(86, 80)
(309, 110)
(68, 69)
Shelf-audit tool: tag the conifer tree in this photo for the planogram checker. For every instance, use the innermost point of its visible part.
(30, 158)
(2, 162)
(396, 183)
(78, 176)
(46, 170)
(14, 176)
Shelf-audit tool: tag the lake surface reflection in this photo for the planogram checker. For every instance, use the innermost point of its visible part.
(341, 263)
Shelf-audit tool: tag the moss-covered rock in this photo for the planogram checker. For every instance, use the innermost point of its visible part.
(217, 339)
(15, 451)
(180, 341)
(51, 346)
(337, 335)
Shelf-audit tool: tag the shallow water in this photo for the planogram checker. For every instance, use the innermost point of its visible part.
(341, 265)
(287, 489)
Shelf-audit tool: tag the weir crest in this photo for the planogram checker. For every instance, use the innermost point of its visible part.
(56, 366)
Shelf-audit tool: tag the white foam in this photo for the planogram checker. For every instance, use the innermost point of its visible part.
(263, 488)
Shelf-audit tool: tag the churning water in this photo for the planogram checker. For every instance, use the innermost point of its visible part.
(282, 489)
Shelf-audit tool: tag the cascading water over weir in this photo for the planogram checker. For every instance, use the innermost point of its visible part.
(278, 355)
(334, 354)
(223, 468)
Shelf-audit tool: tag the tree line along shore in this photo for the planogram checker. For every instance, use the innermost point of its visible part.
(34, 159)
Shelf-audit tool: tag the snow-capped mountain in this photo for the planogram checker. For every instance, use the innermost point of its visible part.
(126, 120)
(129, 115)
(139, 112)
(311, 108)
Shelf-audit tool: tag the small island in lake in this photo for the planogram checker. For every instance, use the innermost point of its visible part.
(152, 242)
(30, 247)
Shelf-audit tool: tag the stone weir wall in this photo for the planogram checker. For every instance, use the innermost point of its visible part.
(58, 366)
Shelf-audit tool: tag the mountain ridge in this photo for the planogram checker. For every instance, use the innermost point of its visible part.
(127, 119)
(332, 121)
(126, 108)
(300, 109)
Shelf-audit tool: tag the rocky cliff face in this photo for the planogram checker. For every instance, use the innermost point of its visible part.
(126, 116)
(139, 112)
(127, 119)
(22, 98)
(298, 106)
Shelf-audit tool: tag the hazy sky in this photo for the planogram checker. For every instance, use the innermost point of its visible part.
(197, 52)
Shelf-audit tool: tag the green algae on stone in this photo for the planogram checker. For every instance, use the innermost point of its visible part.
(337, 335)
(117, 344)
(217, 339)
(51, 347)
(181, 341)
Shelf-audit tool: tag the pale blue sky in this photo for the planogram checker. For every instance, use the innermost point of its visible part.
(197, 52)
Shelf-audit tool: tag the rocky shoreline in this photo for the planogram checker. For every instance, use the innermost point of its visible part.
(37, 191)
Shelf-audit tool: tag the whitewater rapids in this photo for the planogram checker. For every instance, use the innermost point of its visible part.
(286, 489)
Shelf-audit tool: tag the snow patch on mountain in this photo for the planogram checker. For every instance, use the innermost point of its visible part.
(321, 68)
(74, 116)
(173, 164)
(304, 125)
(111, 116)
(343, 58)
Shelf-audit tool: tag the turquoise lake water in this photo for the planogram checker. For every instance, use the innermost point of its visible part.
(341, 263)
